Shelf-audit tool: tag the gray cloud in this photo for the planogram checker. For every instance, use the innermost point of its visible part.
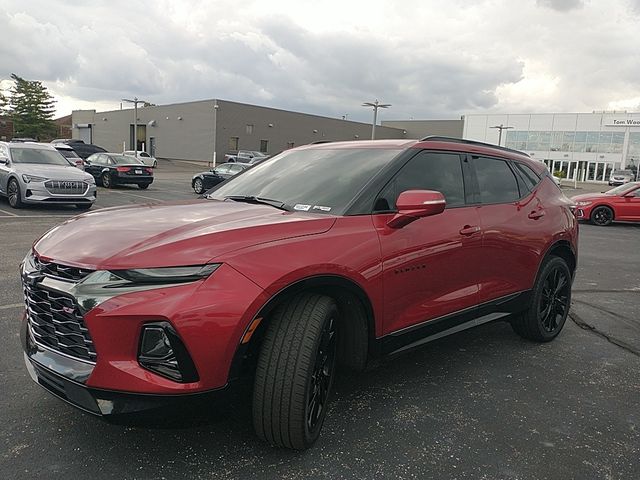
(561, 5)
(436, 60)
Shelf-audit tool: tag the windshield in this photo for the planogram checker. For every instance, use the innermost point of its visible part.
(622, 172)
(37, 155)
(68, 153)
(319, 181)
(622, 189)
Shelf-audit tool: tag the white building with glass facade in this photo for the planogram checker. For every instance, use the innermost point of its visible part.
(588, 146)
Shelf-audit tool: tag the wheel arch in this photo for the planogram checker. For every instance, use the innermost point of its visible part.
(358, 338)
(564, 250)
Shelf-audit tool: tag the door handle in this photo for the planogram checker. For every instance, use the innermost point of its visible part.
(469, 230)
(536, 214)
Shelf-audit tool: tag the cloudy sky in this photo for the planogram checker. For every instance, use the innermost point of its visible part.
(428, 58)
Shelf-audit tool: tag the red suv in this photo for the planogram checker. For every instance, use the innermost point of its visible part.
(326, 254)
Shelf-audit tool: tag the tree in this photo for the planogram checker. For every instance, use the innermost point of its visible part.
(31, 108)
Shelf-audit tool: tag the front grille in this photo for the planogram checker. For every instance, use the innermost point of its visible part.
(64, 272)
(56, 322)
(66, 187)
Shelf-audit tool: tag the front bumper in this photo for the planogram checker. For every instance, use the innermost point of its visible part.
(37, 193)
(65, 378)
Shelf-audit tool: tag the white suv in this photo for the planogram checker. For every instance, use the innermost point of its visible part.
(37, 173)
(620, 177)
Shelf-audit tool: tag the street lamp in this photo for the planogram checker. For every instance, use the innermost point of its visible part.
(215, 129)
(376, 105)
(500, 128)
(135, 102)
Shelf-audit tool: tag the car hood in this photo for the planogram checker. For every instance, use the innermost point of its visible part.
(177, 234)
(52, 172)
(585, 197)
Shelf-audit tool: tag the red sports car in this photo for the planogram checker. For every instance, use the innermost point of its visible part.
(618, 204)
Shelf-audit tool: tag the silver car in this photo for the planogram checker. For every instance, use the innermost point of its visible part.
(36, 173)
(144, 157)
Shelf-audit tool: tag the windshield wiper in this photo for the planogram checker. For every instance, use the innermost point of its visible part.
(263, 201)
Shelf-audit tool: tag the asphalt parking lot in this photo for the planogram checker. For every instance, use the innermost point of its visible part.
(483, 404)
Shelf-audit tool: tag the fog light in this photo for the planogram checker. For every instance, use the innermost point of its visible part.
(162, 352)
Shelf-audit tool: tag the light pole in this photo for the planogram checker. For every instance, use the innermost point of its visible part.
(135, 102)
(500, 128)
(215, 129)
(376, 105)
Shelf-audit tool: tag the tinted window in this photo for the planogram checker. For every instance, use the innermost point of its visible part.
(233, 169)
(496, 181)
(222, 169)
(441, 172)
(528, 176)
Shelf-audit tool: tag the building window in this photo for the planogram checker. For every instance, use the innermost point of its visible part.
(290, 144)
(249, 129)
(264, 146)
(233, 143)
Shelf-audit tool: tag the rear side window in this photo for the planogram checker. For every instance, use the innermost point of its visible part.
(496, 181)
(441, 172)
(527, 176)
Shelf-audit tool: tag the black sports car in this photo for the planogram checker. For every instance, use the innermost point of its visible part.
(110, 169)
(205, 180)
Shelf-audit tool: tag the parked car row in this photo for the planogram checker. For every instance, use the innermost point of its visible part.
(245, 156)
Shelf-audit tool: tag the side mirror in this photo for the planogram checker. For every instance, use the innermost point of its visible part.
(3, 160)
(87, 162)
(415, 204)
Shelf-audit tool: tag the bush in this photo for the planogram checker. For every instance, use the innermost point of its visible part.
(560, 174)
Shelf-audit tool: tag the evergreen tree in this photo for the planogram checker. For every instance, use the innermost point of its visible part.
(31, 108)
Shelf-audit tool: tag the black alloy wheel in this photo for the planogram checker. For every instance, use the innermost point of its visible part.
(322, 377)
(13, 192)
(106, 180)
(602, 216)
(554, 305)
(550, 303)
(198, 186)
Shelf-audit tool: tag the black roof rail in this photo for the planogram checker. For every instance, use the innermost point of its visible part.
(438, 138)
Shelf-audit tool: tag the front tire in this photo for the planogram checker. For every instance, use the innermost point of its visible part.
(602, 216)
(295, 371)
(13, 193)
(143, 186)
(547, 314)
(198, 186)
(83, 206)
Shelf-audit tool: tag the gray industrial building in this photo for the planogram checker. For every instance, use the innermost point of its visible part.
(192, 130)
(423, 128)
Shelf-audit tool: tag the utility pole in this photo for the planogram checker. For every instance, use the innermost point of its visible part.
(376, 105)
(215, 129)
(500, 127)
(135, 102)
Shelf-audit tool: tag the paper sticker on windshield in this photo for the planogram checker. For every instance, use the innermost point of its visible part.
(301, 207)
(322, 207)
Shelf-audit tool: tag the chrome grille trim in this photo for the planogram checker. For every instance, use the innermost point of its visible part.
(55, 323)
(61, 272)
(66, 187)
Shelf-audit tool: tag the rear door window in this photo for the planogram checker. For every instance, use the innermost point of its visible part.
(496, 181)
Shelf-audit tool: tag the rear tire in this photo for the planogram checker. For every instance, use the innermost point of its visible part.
(550, 302)
(602, 216)
(295, 371)
(13, 193)
(106, 181)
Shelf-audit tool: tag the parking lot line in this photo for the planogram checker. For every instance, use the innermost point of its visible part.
(13, 305)
(9, 213)
(136, 195)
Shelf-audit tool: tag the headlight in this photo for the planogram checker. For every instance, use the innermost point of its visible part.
(90, 180)
(583, 203)
(32, 178)
(167, 274)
